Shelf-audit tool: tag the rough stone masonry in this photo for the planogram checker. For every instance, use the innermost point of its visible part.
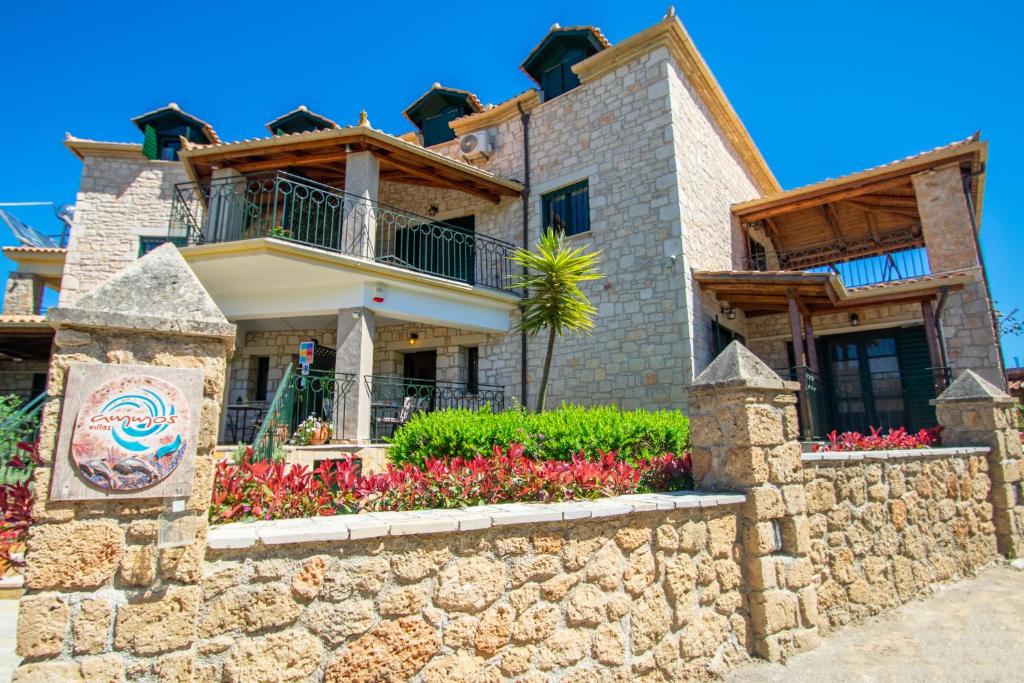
(651, 588)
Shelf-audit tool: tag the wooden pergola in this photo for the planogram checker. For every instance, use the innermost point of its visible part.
(321, 156)
(864, 214)
(802, 295)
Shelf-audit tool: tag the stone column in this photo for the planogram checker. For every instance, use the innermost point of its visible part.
(744, 433)
(968, 326)
(973, 412)
(355, 358)
(24, 294)
(99, 590)
(362, 180)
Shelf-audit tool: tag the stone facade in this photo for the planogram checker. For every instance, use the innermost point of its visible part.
(24, 294)
(119, 197)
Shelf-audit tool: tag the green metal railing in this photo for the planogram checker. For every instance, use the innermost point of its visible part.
(19, 442)
(323, 394)
(288, 207)
(276, 428)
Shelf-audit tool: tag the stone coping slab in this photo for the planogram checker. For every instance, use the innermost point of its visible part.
(377, 524)
(896, 454)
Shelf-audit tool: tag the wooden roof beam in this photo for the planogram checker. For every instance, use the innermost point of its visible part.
(834, 196)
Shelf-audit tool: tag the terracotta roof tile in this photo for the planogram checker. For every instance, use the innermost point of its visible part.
(22, 249)
(22, 319)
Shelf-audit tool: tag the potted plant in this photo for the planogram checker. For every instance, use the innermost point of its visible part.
(312, 431)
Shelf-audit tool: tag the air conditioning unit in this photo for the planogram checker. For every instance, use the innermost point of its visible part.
(476, 145)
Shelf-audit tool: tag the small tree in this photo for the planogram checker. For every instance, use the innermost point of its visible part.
(553, 300)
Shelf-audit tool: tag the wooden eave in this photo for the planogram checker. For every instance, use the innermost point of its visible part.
(871, 212)
(322, 155)
(669, 33)
(869, 181)
(763, 293)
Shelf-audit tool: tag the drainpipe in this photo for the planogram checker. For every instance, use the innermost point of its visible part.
(967, 175)
(525, 119)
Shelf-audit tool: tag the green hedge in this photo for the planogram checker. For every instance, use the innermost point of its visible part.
(551, 435)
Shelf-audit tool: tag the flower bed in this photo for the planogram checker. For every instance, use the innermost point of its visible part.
(894, 439)
(267, 490)
(636, 435)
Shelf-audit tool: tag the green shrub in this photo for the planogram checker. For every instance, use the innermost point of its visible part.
(551, 435)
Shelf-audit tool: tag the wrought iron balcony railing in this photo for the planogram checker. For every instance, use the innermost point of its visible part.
(394, 399)
(285, 206)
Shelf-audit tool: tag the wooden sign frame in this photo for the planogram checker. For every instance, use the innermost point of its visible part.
(68, 481)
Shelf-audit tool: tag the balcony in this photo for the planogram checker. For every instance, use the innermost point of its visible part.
(287, 207)
(900, 257)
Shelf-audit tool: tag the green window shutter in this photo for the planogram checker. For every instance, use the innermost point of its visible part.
(917, 376)
(149, 146)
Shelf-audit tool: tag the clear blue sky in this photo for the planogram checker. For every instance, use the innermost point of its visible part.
(825, 88)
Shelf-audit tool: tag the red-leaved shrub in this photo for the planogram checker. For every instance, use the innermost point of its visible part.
(248, 490)
(16, 506)
(894, 439)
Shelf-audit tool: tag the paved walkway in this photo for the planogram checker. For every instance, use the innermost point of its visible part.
(8, 630)
(969, 631)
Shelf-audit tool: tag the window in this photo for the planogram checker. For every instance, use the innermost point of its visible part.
(722, 336)
(567, 209)
(148, 244)
(559, 78)
(262, 374)
(436, 129)
(472, 370)
(169, 148)
(758, 256)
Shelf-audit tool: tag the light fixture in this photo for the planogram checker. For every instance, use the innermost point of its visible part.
(728, 311)
(413, 338)
(854, 319)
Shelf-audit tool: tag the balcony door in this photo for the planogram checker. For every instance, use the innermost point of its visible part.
(420, 373)
(878, 379)
(446, 248)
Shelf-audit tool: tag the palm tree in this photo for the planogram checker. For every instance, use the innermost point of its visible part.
(553, 300)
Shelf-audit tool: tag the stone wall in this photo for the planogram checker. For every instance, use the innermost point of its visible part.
(653, 595)
(886, 527)
(118, 197)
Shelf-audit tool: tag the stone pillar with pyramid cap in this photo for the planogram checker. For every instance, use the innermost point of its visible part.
(974, 412)
(101, 590)
(743, 433)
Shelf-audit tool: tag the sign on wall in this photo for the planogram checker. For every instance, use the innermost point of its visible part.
(307, 350)
(127, 431)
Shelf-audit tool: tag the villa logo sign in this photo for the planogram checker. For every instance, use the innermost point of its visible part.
(127, 432)
(131, 433)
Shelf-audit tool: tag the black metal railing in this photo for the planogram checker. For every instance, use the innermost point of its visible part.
(19, 441)
(288, 207)
(393, 400)
(859, 400)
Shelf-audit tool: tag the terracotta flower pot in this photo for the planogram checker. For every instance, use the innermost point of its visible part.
(319, 437)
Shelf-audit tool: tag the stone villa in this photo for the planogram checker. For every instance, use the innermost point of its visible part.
(391, 252)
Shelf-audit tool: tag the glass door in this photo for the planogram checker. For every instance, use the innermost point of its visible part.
(867, 384)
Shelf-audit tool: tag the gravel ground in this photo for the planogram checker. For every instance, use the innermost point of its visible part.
(968, 631)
